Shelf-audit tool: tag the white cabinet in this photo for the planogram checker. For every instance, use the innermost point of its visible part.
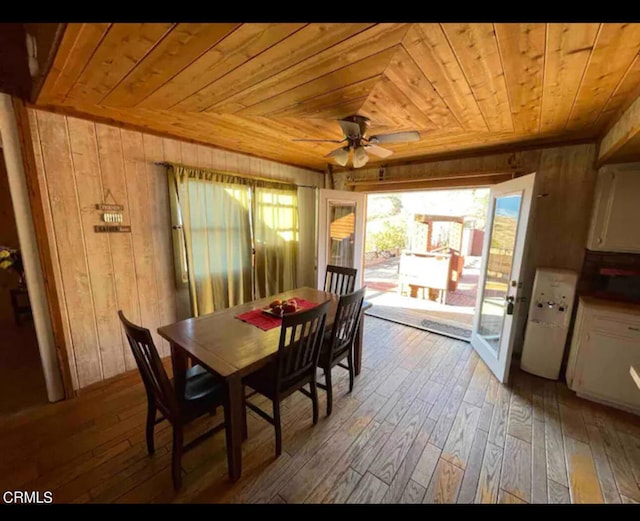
(605, 344)
(616, 210)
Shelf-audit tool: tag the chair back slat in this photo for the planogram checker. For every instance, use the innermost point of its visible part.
(300, 342)
(346, 322)
(154, 376)
(340, 280)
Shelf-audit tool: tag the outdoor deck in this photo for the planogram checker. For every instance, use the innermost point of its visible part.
(455, 317)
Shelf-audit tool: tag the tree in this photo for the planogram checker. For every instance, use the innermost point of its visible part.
(383, 205)
(479, 206)
(390, 237)
(396, 203)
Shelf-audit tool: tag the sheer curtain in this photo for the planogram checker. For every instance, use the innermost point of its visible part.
(215, 214)
(276, 238)
(235, 238)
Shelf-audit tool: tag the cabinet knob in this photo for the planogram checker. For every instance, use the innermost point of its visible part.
(631, 328)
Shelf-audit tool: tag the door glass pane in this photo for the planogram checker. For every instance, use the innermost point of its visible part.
(342, 228)
(503, 239)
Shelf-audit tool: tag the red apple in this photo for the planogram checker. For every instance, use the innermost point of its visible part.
(277, 309)
(287, 307)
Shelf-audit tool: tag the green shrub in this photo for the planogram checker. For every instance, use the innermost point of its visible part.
(390, 237)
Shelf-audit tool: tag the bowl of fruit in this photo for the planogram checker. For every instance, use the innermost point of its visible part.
(278, 307)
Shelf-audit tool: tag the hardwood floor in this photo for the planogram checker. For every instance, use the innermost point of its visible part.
(426, 422)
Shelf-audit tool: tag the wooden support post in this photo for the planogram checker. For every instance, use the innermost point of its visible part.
(44, 247)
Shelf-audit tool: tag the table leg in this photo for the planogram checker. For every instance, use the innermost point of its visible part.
(357, 352)
(234, 426)
(179, 363)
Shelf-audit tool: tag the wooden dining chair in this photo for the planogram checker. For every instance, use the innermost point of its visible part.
(338, 343)
(340, 280)
(203, 393)
(294, 366)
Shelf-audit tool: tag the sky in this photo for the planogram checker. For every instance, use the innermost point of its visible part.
(509, 206)
(441, 202)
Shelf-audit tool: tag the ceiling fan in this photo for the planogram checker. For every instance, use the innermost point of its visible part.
(355, 129)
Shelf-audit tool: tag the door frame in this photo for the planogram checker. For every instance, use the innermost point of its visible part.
(359, 238)
(501, 365)
(26, 194)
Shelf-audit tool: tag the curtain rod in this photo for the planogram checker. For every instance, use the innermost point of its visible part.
(233, 174)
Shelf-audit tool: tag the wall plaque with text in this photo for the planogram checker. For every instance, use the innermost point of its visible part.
(112, 229)
(110, 207)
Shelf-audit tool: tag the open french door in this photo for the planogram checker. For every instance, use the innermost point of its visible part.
(499, 300)
(341, 218)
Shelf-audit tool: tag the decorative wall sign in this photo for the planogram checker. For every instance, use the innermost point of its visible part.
(112, 229)
(112, 217)
(111, 213)
(110, 207)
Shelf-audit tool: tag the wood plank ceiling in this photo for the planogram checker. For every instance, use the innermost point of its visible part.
(253, 87)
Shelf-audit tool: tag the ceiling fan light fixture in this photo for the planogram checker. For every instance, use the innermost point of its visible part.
(341, 156)
(355, 130)
(360, 157)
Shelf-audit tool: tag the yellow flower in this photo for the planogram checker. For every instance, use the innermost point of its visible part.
(5, 264)
(4, 254)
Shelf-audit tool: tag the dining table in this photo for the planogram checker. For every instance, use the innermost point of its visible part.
(232, 349)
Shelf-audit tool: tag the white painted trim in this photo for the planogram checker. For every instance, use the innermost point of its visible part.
(500, 365)
(26, 234)
(359, 200)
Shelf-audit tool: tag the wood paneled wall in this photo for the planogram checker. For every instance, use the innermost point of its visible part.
(565, 182)
(565, 187)
(8, 237)
(622, 143)
(97, 274)
(560, 219)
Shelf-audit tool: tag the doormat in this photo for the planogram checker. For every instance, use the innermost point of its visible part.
(446, 329)
(417, 319)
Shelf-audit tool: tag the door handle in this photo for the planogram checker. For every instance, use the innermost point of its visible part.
(510, 305)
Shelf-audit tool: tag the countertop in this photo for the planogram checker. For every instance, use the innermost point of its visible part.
(618, 305)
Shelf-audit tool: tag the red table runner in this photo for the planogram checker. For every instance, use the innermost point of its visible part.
(266, 322)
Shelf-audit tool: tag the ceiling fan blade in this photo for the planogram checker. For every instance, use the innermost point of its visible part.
(378, 151)
(360, 157)
(396, 137)
(350, 128)
(341, 155)
(319, 140)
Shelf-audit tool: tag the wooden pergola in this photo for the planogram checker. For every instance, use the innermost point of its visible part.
(426, 232)
(435, 268)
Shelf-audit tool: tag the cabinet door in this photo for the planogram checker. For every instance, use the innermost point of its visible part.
(580, 332)
(603, 368)
(616, 210)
